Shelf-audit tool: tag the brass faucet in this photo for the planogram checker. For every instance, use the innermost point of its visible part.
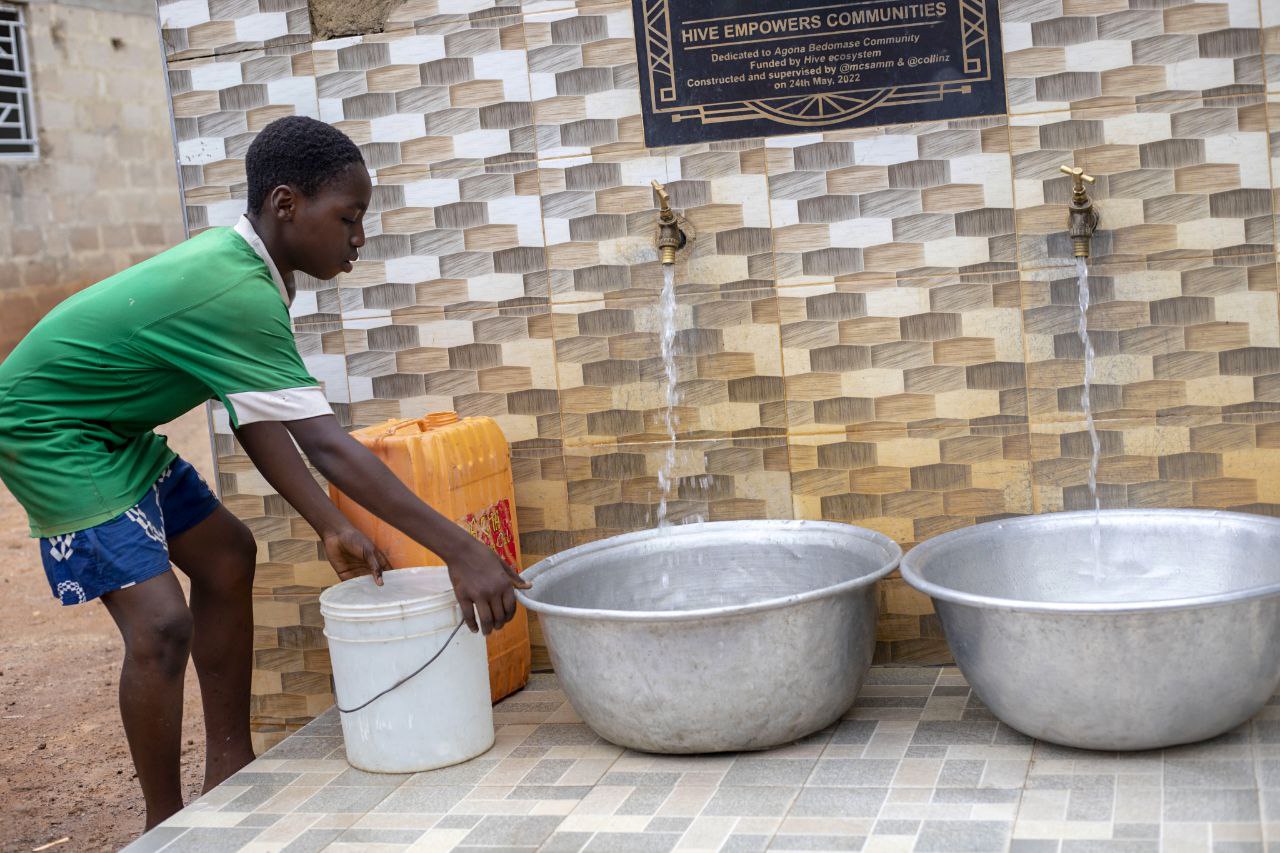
(670, 237)
(1082, 216)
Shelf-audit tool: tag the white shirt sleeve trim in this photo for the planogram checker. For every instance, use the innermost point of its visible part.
(245, 229)
(289, 404)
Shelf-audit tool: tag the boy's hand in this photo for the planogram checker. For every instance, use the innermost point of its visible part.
(485, 587)
(353, 554)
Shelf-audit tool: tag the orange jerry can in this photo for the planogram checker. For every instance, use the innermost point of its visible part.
(462, 469)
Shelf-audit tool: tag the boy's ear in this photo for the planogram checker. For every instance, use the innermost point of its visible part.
(283, 202)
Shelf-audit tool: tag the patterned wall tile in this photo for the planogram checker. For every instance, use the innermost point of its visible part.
(411, 12)
(290, 558)
(946, 348)
(542, 500)
(600, 217)
(583, 80)
(475, 359)
(600, 222)
(912, 482)
(531, 7)
(292, 673)
(729, 377)
(891, 202)
(1185, 389)
(1273, 135)
(1180, 459)
(194, 28)
(444, 314)
(453, 313)
(614, 488)
(451, 90)
(1192, 337)
(1271, 44)
(219, 104)
(1077, 54)
(1174, 179)
(472, 236)
(600, 225)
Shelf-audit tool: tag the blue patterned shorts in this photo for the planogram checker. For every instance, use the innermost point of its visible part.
(132, 547)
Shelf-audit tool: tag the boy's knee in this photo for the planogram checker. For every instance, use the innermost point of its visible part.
(163, 643)
(242, 556)
(229, 572)
(246, 547)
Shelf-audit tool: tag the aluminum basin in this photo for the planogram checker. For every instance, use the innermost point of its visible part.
(1172, 636)
(713, 637)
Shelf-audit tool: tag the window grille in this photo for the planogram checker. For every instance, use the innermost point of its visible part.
(17, 122)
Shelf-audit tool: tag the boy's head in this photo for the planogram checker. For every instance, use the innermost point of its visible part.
(309, 187)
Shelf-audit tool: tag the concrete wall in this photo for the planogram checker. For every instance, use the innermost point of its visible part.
(102, 193)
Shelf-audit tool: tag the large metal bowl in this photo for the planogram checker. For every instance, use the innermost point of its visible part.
(1171, 636)
(713, 637)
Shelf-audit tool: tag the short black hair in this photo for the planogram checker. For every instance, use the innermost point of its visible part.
(299, 151)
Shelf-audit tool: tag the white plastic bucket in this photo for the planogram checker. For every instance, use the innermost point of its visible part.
(379, 635)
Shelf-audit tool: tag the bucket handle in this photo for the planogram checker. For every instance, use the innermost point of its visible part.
(378, 696)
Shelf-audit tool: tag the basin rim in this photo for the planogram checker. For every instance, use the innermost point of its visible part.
(922, 552)
(892, 556)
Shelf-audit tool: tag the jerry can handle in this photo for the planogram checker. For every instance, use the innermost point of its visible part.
(425, 423)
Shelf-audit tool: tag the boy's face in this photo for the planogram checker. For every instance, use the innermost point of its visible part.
(328, 228)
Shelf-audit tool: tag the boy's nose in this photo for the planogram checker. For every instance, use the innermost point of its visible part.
(357, 239)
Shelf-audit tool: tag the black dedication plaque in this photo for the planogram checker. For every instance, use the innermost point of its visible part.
(728, 69)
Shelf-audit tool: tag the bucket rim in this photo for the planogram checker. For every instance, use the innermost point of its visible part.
(399, 608)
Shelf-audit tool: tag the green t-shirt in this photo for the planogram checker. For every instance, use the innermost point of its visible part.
(81, 394)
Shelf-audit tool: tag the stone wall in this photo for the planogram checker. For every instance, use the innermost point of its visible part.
(102, 193)
(878, 325)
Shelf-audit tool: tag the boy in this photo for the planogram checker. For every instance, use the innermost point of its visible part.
(112, 505)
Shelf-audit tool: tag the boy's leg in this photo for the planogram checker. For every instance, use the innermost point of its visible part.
(219, 555)
(156, 625)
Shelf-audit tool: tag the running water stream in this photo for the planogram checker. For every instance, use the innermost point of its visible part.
(1082, 285)
(667, 310)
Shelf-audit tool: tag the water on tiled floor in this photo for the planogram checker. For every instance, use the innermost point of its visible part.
(918, 765)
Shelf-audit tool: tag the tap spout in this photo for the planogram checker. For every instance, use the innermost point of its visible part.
(1082, 216)
(670, 237)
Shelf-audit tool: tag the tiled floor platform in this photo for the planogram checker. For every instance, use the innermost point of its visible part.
(917, 765)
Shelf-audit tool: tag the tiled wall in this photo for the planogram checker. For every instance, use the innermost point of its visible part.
(877, 326)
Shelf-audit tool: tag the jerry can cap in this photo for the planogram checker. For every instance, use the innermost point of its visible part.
(438, 419)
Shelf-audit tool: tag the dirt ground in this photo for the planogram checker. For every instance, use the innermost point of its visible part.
(64, 764)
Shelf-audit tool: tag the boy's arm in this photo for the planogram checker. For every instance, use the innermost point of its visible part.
(348, 550)
(482, 582)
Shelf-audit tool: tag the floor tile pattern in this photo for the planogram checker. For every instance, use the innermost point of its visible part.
(918, 764)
